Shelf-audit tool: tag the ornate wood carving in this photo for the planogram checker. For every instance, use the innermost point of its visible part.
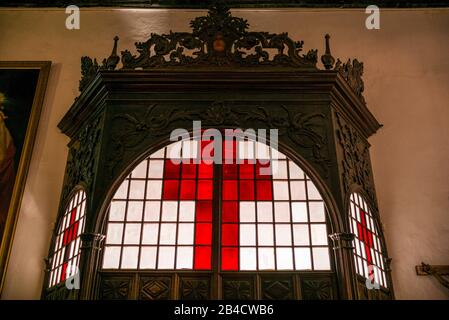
(238, 289)
(306, 130)
(194, 289)
(356, 165)
(82, 155)
(317, 289)
(277, 289)
(155, 288)
(352, 72)
(60, 292)
(115, 288)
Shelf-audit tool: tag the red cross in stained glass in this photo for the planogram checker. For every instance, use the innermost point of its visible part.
(366, 237)
(69, 235)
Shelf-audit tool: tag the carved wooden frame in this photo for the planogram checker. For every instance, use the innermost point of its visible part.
(124, 115)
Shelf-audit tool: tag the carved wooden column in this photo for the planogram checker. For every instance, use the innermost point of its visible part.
(90, 258)
(343, 246)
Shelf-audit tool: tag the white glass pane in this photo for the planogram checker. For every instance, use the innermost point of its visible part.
(265, 235)
(132, 233)
(280, 190)
(302, 259)
(174, 150)
(317, 213)
(264, 211)
(282, 211)
(284, 258)
(360, 270)
(115, 233)
(247, 234)
(154, 189)
(283, 235)
(295, 171)
(187, 211)
(298, 190)
(262, 151)
(185, 233)
(130, 257)
(279, 169)
(247, 211)
(189, 149)
(111, 258)
(135, 209)
(246, 149)
(137, 189)
(158, 154)
(148, 257)
(168, 233)
(301, 234)
(140, 171)
(150, 233)
(152, 209)
(156, 169)
(166, 258)
(248, 259)
(122, 191)
(319, 234)
(321, 259)
(299, 211)
(169, 210)
(117, 211)
(313, 191)
(266, 259)
(275, 154)
(184, 259)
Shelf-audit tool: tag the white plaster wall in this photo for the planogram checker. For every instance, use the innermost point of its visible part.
(406, 87)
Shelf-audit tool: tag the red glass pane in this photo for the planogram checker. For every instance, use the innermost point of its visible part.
(206, 152)
(230, 171)
(229, 149)
(189, 170)
(230, 234)
(230, 211)
(230, 190)
(75, 230)
(267, 169)
(246, 170)
(368, 254)
(64, 271)
(171, 170)
(203, 211)
(202, 259)
(171, 190)
(205, 189)
(203, 233)
(246, 189)
(229, 258)
(188, 189)
(205, 171)
(73, 215)
(264, 190)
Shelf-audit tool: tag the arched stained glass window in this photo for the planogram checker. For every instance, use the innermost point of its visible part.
(66, 251)
(165, 213)
(368, 257)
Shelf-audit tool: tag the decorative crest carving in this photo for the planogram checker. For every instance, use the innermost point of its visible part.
(352, 72)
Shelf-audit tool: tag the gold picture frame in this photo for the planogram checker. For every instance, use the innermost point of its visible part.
(10, 75)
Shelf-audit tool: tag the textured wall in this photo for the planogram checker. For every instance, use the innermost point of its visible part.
(406, 84)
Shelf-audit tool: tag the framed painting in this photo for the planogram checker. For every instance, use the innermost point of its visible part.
(22, 90)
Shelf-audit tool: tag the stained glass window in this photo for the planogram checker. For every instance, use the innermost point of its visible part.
(368, 257)
(162, 215)
(66, 253)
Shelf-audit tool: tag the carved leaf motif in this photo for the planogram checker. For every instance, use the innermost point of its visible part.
(352, 72)
(316, 289)
(194, 289)
(114, 289)
(237, 289)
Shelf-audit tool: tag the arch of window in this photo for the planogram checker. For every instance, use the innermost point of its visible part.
(368, 256)
(161, 216)
(66, 251)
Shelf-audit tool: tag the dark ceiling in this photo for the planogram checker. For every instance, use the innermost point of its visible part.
(231, 3)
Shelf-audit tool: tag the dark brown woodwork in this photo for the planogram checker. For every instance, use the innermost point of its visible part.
(124, 115)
